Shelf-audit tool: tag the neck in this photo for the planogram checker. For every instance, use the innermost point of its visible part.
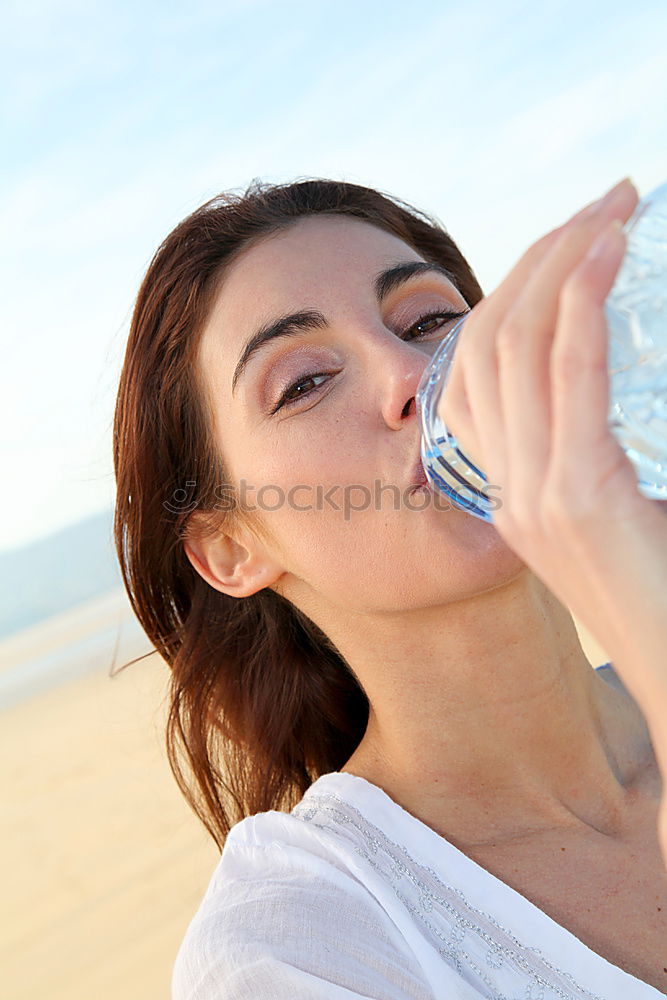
(487, 720)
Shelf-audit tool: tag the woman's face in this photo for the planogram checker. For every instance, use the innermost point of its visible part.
(320, 431)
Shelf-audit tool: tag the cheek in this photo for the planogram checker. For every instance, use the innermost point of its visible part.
(370, 560)
(351, 547)
(302, 485)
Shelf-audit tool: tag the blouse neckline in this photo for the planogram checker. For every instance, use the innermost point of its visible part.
(509, 907)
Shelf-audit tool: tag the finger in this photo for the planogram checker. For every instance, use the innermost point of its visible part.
(581, 438)
(455, 408)
(514, 281)
(596, 213)
(524, 343)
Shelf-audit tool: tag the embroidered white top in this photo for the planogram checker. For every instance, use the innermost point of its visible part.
(350, 896)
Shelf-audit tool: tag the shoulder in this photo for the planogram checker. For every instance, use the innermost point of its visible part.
(282, 919)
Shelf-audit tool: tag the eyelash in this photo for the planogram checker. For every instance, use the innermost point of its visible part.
(446, 317)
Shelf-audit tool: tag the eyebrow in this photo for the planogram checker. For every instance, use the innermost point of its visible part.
(293, 324)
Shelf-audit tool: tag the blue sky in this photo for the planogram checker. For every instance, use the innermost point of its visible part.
(501, 118)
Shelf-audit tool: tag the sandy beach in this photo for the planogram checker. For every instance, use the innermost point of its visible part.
(104, 864)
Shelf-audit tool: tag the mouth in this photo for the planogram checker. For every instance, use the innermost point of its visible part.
(419, 477)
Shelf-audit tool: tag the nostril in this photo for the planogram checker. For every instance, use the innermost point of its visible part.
(406, 408)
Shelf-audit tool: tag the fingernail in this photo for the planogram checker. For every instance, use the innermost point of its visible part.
(596, 206)
(611, 194)
(606, 243)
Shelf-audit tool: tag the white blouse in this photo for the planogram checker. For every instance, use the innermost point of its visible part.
(349, 896)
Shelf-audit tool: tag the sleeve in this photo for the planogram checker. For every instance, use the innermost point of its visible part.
(281, 933)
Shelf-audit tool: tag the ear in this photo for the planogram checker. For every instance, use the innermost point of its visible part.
(238, 568)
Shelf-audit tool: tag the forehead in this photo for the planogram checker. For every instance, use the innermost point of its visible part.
(304, 265)
(317, 262)
(311, 252)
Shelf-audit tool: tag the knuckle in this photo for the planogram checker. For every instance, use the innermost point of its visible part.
(566, 507)
(569, 360)
(510, 337)
(574, 287)
(576, 238)
(585, 224)
(539, 249)
(566, 363)
(553, 510)
(546, 242)
(454, 403)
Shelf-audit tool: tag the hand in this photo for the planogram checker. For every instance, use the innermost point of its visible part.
(527, 400)
(527, 359)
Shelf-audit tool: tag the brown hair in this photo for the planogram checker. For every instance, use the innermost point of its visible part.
(260, 701)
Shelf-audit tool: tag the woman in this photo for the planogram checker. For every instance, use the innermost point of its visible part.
(430, 792)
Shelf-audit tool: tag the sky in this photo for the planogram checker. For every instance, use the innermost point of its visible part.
(499, 117)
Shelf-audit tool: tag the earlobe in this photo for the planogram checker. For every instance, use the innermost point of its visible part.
(230, 567)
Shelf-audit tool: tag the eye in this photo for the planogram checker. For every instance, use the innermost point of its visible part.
(294, 392)
(285, 399)
(430, 317)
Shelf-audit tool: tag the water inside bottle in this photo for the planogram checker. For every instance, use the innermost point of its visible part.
(636, 313)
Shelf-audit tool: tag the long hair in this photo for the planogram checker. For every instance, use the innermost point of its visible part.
(261, 703)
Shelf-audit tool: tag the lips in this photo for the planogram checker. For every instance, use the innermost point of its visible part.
(419, 477)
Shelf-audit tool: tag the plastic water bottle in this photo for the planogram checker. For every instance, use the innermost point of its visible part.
(636, 313)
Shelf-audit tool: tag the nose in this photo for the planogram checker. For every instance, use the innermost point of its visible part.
(401, 372)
